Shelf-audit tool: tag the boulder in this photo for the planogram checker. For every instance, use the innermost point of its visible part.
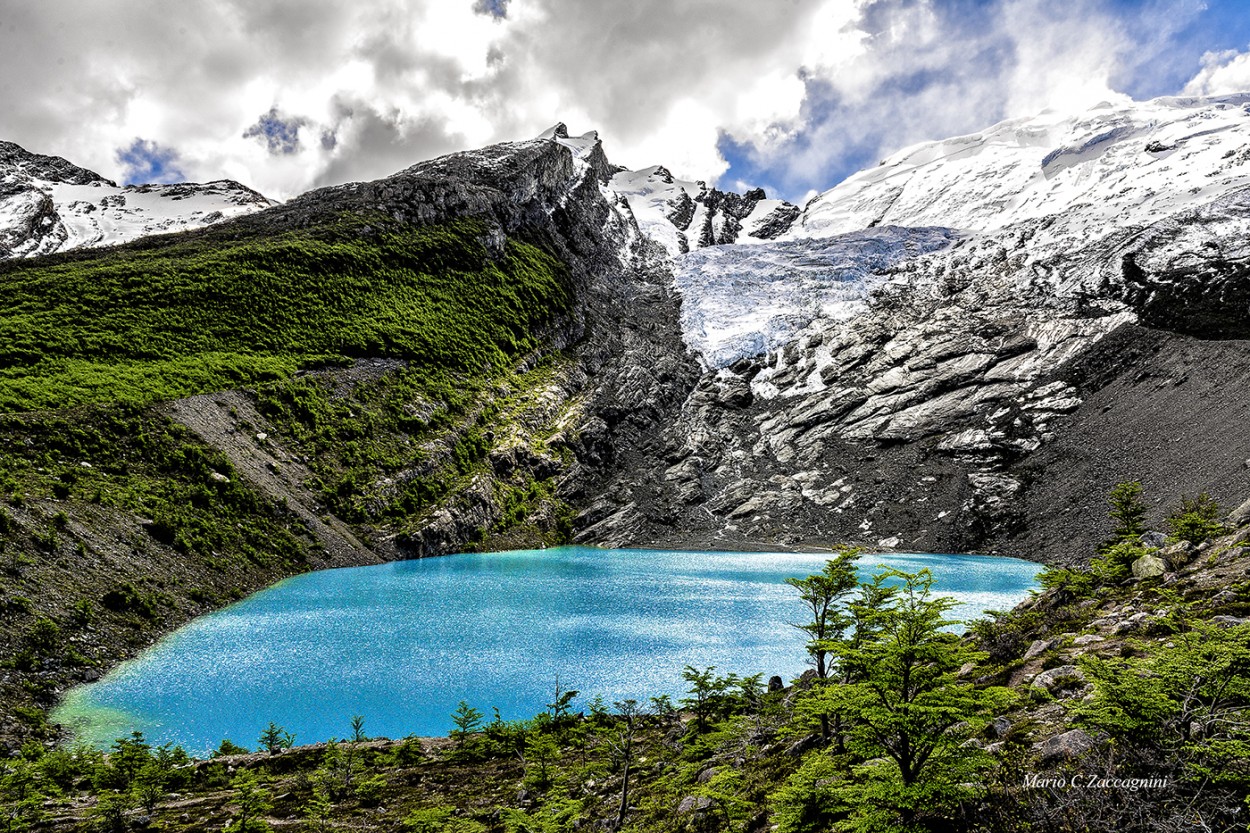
(693, 804)
(1065, 676)
(708, 774)
(999, 727)
(1241, 515)
(734, 392)
(775, 683)
(1182, 552)
(1149, 566)
(1068, 746)
(1039, 647)
(1224, 597)
(1157, 540)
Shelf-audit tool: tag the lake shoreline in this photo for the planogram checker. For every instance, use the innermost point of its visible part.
(402, 643)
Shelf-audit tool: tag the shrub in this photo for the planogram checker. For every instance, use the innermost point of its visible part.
(229, 747)
(369, 791)
(807, 802)
(1197, 520)
(1115, 564)
(129, 599)
(1077, 583)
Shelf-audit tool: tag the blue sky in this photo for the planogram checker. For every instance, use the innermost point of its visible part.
(791, 95)
(145, 162)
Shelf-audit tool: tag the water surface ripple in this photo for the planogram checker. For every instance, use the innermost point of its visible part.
(403, 643)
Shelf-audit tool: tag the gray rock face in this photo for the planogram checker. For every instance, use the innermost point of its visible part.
(1039, 647)
(1241, 515)
(1068, 746)
(14, 159)
(693, 804)
(999, 727)
(777, 222)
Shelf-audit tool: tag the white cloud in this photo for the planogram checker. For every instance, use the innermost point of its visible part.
(800, 82)
(1222, 73)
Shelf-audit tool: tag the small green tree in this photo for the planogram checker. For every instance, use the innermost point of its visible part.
(628, 716)
(318, 809)
(823, 595)
(358, 729)
(126, 758)
(1127, 510)
(908, 713)
(274, 739)
(467, 720)
(561, 707)
(541, 751)
(341, 768)
(109, 813)
(252, 801)
(149, 785)
(707, 694)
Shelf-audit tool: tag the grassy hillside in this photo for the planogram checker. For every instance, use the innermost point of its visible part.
(141, 324)
(118, 523)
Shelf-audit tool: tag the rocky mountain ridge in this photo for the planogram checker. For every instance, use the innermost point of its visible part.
(48, 204)
(910, 361)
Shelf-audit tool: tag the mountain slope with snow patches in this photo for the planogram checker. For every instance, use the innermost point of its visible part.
(949, 395)
(47, 205)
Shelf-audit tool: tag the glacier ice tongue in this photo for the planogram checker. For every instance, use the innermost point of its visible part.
(741, 301)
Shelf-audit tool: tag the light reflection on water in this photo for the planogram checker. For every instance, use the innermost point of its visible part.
(403, 643)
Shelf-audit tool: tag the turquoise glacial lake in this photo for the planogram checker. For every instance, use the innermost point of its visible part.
(401, 644)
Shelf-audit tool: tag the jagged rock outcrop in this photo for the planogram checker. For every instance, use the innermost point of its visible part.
(683, 216)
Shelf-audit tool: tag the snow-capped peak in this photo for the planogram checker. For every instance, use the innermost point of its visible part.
(48, 204)
(1114, 165)
(682, 215)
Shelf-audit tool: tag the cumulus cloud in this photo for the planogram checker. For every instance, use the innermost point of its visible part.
(788, 92)
(1224, 72)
